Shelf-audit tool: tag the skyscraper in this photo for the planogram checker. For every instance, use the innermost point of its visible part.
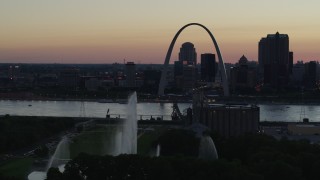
(310, 74)
(208, 72)
(178, 68)
(188, 53)
(185, 71)
(131, 74)
(274, 60)
(290, 62)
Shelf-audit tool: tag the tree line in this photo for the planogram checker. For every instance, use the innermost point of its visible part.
(18, 132)
(252, 156)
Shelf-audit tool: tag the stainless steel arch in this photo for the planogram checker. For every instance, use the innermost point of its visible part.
(166, 62)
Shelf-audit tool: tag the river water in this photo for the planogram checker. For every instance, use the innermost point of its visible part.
(268, 112)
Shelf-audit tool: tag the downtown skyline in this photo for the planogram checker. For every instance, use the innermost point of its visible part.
(80, 31)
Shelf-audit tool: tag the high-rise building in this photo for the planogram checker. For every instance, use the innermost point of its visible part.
(130, 74)
(242, 77)
(290, 62)
(178, 68)
(297, 74)
(208, 71)
(310, 74)
(188, 53)
(185, 70)
(178, 72)
(274, 60)
(189, 77)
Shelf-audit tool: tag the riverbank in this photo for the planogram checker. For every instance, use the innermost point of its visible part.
(281, 99)
(124, 101)
(121, 101)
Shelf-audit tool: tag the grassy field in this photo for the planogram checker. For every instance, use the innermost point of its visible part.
(145, 143)
(102, 140)
(17, 168)
(98, 141)
(146, 140)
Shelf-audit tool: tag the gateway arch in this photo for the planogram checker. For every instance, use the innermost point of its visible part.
(166, 62)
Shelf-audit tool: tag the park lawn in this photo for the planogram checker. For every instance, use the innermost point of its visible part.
(145, 143)
(147, 139)
(96, 141)
(17, 168)
(102, 140)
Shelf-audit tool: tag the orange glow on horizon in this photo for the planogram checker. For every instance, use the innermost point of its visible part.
(79, 31)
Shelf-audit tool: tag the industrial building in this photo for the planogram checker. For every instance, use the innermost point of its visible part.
(231, 120)
(226, 119)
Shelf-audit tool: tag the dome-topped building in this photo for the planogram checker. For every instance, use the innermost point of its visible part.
(243, 75)
(243, 60)
(188, 53)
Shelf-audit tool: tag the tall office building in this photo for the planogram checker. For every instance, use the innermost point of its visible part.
(131, 74)
(178, 68)
(189, 77)
(188, 53)
(274, 60)
(208, 71)
(310, 74)
(298, 74)
(290, 62)
(185, 71)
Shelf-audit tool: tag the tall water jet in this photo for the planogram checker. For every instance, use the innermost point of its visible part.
(207, 149)
(129, 127)
(125, 141)
(116, 143)
(60, 157)
(158, 150)
(61, 154)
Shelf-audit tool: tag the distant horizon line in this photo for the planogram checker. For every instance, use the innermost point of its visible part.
(55, 63)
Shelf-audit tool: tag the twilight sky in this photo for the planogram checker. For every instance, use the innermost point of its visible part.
(107, 31)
